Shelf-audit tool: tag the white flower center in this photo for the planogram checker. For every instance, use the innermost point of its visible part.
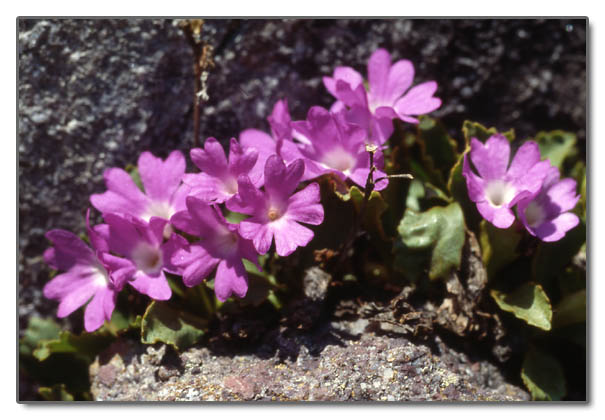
(147, 258)
(499, 192)
(339, 159)
(535, 214)
(101, 278)
(158, 209)
(230, 185)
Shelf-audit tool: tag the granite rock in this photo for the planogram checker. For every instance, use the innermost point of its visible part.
(337, 366)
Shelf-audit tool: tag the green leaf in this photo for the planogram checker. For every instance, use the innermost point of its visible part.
(415, 193)
(162, 323)
(472, 129)
(86, 345)
(374, 208)
(498, 246)
(437, 147)
(57, 392)
(570, 310)
(233, 217)
(38, 330)
(543, 376)
(552, 257)
(556, 146)
(442, 230)
(411, 263)
(529, 303)
(121, 323)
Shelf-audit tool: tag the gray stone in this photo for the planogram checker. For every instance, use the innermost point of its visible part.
(377, 368)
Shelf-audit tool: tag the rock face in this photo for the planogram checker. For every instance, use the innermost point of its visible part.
(346, 368)
(92, 94)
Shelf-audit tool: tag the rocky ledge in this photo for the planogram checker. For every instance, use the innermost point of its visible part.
(341, 363)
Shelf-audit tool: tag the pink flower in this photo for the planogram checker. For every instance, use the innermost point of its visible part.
(333, 145)
(164, 194)
(276, 212)
(499, 187)
(546, 213)
(89, 273)
(218, 180)
(142, 246)
(221, 246)
(386, 99)
(280, 142)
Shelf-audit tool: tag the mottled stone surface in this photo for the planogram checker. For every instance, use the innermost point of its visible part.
(348, 367)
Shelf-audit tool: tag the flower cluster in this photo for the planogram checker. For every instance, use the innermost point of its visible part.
(543, 201)
(176, 223)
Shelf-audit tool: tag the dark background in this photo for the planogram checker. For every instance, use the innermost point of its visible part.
(95, 93)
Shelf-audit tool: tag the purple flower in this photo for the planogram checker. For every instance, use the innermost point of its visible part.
(164, 194)
(218, 180)
(499, 187)
(545, 214)
(89, 273)
(220, 246)
(333, 145)
(386, 99)
(142, 245)
(276, 213)
(280, 142)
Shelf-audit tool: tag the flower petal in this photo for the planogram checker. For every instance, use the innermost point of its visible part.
(123, 233)
(67, 250)
(281, 181)
(78, 276)
(563, 195)
(474, 184)
(241, 159)
(401, 76)
(77, 297)
(258, 232)
(211, 159)
(379, 65)
(206, 187)
(304, 206)
(121, 270)
(532, 180)
(350, 96)
(501, 217)
(556, 228)
(419, 100)
(96, 312)
(161, 178)
(196, 263)
(122, 195)
(156, 287)
(280, 120)
(248, 200)
(290, 235)
(525, 158)
(346, 74)
(230, 279)
(491, 159)
(169, 249)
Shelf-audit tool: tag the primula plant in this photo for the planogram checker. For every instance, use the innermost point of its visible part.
(477, 235)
